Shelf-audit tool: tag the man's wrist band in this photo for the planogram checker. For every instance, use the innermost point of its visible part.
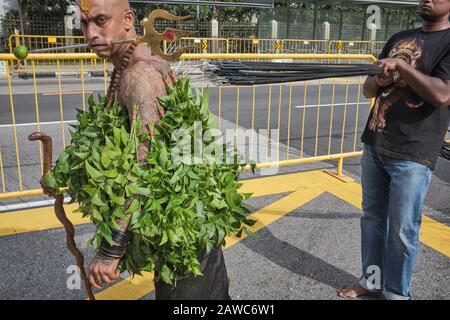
(121, 237)
(120, 240)
(111, 252)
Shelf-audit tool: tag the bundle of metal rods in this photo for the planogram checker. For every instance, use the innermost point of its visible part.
(234, 72)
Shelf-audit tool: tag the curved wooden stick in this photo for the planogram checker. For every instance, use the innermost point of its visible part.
(59, 208)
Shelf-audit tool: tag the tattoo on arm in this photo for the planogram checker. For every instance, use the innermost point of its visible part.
(142, 85)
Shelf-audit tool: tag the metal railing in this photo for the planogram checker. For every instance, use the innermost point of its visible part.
(315, 120)
(217, 45)
(356, 47)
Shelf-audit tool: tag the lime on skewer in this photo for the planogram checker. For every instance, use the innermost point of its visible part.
(21, 52)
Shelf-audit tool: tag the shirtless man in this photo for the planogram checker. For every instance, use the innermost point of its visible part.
(143, 80)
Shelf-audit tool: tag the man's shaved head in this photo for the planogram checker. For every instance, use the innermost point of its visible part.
(120, 4)
(104, 21)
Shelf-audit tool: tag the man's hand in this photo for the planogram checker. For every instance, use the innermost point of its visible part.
(389, 64)
(103, 272)
(384, 81)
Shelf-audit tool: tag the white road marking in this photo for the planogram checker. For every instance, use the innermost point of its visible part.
(75, 121)
(35, 124)
(29, 205)
(329, 105)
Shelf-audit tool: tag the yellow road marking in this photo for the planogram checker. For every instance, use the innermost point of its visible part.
(36, 220)
(280, 184)
(138, 287)
(31, 220)
(433, 234)
(129, 289)
(304, 187)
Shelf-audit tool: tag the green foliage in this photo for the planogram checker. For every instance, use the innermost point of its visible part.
(176, 209)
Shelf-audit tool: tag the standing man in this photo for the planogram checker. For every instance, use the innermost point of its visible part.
(138, 80)
(402, 140)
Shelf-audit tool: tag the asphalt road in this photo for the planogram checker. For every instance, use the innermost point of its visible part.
(285, 107)
(346, 119)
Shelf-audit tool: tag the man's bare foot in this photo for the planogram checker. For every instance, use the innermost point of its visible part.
(352, 291)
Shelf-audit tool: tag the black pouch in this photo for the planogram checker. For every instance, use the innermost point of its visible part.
(213, 285)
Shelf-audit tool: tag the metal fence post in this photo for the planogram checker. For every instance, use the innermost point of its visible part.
(326, 30)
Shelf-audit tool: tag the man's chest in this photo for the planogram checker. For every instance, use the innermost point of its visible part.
(420, 52)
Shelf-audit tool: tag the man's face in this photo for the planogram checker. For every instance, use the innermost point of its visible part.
(433, 10)
(103, 21)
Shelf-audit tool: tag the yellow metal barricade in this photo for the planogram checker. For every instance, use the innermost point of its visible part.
(356, 47)
(199, 45)
(305, 46)
(316, 120)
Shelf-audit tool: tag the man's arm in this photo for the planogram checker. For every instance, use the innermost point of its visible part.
(141, 86)
(431, 89)
(373, 83)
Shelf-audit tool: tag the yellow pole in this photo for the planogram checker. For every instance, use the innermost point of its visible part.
(11, 101)
(340, 166)
(82, 85)
(289, 122)
(38, 122)
(61, 110)
(1, 170)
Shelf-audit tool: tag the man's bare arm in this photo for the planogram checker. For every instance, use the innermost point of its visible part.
(142, 85)
(373, 83)
(370, 88)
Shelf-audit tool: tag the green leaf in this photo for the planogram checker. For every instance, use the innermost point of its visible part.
(134, 206)
(119, 200)
(218, 203)
(81, 155)
(106, 158)
(167, 275)
(112, 174)
(93, 173)
(50, 181)
(205, 102)
(132, 190)
(116, 136)
(164, 238)
(96, 199)
(163, 157)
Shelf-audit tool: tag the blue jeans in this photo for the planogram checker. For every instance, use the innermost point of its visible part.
(393, 195)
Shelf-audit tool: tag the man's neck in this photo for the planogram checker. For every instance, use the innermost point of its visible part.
(430, 26)
(120, 53)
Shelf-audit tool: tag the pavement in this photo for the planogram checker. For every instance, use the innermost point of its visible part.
(305, 246)
(306, 243)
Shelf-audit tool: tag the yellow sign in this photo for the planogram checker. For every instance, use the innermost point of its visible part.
(52, 40)
(204, 46)
(339, 46)
(278, 46)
